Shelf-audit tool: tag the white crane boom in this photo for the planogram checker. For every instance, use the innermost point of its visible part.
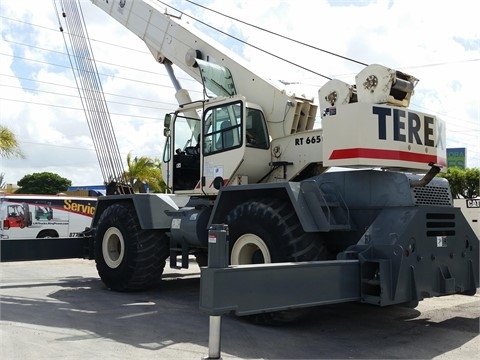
(363, 125)
(170, 39)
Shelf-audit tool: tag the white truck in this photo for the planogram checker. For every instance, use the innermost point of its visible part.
(41, 216)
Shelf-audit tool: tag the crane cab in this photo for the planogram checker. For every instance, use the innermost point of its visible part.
(214, 143)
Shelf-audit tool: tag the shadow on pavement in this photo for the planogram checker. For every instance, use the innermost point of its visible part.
(169, 314)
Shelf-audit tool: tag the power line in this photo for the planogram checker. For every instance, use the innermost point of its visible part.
(101, 74)
(56, 145)
(56, 30)
(248, 44)
(74, 87)
(281, 36)
(229, 17)
(76, 96)
(79, 109)
(443, 63)
(101, 62)
(273, 33)
(444, 115)
(189, 79)
(92, 149)
(169, 86)
(214, 28)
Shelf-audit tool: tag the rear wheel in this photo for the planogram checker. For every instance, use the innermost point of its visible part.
(47, 234)
(128, 258)
(250, 249)
(268, 231)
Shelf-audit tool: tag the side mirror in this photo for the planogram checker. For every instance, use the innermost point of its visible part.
(167, 121)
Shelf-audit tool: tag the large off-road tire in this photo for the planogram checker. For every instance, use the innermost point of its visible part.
(268, 231)
(128, 258)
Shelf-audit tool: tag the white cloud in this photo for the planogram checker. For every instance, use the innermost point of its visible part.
(412, 36)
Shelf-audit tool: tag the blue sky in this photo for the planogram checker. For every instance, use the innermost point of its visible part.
(437, 42)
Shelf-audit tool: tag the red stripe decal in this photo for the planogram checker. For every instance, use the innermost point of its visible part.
(366, 153)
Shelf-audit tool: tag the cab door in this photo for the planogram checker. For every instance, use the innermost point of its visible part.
(223, 145)
(182, 154)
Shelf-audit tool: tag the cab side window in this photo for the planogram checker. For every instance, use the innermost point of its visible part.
(256, 128)
(222, 128)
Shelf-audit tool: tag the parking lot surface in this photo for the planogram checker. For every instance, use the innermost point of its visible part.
(61, 310)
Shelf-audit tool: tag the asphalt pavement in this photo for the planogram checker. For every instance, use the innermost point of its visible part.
(60, 309)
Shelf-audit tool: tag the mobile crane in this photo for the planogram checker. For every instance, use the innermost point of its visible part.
(248, 156)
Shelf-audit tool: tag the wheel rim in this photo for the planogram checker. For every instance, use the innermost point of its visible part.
(247, 250)
(113, 247)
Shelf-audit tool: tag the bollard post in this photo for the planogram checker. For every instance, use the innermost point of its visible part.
(214, 336)
(218, 246)
(217, 258)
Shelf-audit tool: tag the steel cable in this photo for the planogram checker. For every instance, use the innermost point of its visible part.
(91, 94)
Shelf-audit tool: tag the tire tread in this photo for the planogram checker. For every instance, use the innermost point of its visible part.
(145, 251)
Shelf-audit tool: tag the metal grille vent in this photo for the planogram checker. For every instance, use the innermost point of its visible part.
(440, 224)
(432, 195)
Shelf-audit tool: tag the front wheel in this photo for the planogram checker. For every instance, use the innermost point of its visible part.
(128, 258)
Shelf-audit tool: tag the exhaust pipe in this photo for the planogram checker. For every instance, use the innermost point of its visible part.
(434, 170)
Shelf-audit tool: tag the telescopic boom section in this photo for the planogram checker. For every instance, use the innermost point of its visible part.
(171, 39)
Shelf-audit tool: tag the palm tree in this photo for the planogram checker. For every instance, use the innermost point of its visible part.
(144, 171)
(8, 144)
